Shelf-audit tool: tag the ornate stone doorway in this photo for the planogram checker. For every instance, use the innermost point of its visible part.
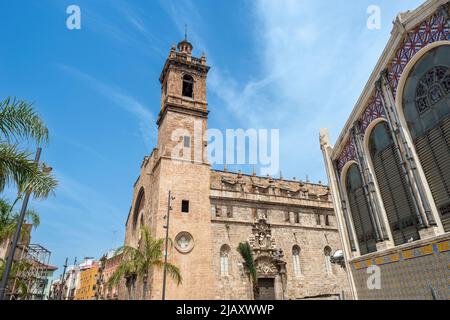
(270, 265)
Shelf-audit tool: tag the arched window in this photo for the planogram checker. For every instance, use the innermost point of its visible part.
(327, 256)
(359, 209)
(395, 193)
(426, 106)
(296, 261)
(224, 257)
(138, 207)
(188, 86)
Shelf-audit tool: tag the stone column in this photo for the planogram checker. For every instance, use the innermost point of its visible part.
(339, 211)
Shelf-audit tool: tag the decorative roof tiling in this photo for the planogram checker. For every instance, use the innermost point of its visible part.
(348, 154)
(374, 111)
(435, 28)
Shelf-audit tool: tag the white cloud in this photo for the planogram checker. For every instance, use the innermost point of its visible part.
(138, 36)
(314, 63)
(128, 103)
(80, 216)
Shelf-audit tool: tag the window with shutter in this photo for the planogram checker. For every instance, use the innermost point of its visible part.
(426, 106)
(394, 190)
(359, 209)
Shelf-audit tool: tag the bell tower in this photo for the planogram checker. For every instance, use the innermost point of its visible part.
(182, 168)
(184, 108)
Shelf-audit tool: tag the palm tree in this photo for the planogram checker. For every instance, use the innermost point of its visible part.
(137, 263)
(9, 219)
(19, 123)
(246, 253)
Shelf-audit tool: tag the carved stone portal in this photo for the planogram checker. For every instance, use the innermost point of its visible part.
(268, 257)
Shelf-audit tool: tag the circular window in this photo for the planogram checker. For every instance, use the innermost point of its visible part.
(184, 242)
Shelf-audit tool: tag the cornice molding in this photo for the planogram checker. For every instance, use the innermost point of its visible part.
(183, 110)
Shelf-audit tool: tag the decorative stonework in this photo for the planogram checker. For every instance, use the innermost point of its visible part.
(268, 258)
(435, 28)
(261, 239)
(374, 111)
(348, 154)
(184, 242)
(266, 267)
(432, 87)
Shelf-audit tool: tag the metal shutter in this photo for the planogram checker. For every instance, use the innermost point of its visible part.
(361, 220)
(396, 197)
(433, 149)
(360, 211)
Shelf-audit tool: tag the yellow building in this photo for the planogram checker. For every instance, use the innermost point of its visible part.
(87, 283)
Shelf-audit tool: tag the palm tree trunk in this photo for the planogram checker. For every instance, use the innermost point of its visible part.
(255, 291)
(128, 285)
(144, 286)
(134, 287)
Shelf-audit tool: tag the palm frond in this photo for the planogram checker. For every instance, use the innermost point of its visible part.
(245, 251)
(32, 217)
(9, 219)
(18, 121)
(17, 168)
(121, 272)
(4, 207)
(14, 164)
(42, 184)
(138, 262)
(175, 273)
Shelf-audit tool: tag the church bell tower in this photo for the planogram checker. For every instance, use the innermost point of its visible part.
(183, 169)
(184, 108)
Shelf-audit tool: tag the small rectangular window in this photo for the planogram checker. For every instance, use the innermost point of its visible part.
(230, 212)
(185, 206)
(318, 219)
(187, 141)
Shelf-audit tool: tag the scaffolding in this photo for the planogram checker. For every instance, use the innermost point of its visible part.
(31, 274)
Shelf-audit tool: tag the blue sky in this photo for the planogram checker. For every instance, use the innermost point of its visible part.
(294, 65)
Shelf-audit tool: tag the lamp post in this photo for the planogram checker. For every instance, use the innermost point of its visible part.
(12, 251)
(166, 252)
(62, 285)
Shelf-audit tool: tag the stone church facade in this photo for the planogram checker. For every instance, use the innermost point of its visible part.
(290, 225)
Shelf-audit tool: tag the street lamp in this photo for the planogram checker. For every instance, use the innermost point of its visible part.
(166, 253)
(12, 251)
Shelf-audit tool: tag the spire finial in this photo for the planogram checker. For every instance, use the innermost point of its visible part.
(185, 32)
